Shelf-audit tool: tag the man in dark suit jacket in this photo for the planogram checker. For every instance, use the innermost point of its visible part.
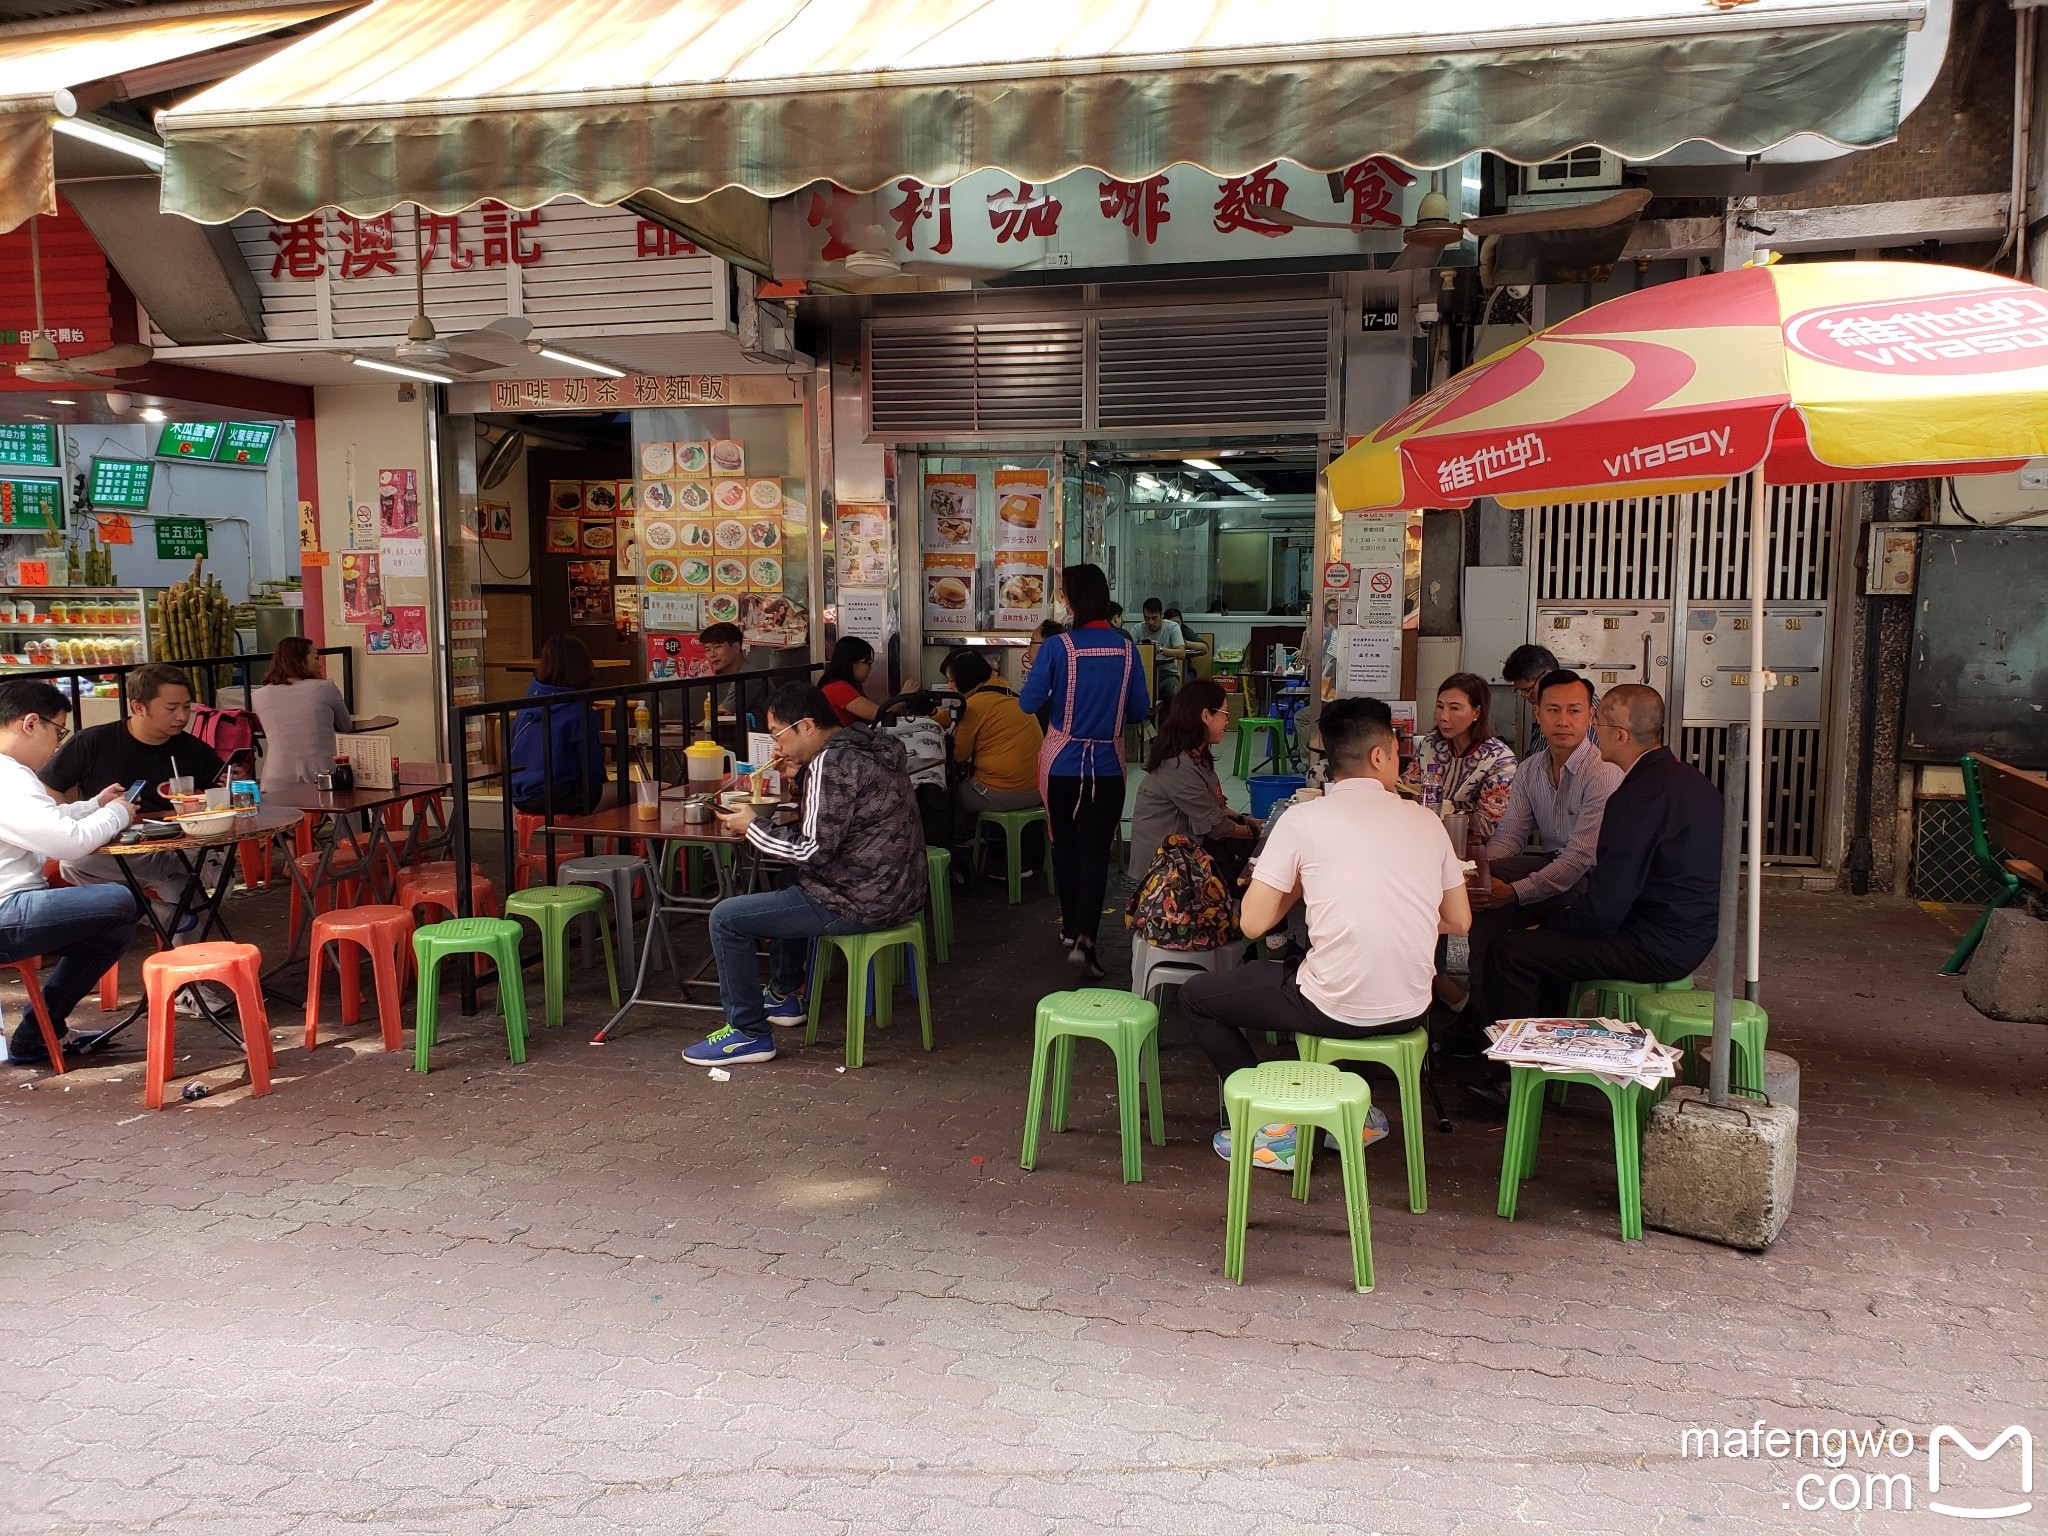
(1647, 909)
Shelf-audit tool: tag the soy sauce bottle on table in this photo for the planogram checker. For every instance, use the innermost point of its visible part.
(344, 773)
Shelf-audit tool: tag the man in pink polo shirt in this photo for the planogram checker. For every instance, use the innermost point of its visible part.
(1380, 881)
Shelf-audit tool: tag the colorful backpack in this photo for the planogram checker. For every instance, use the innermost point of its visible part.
(1181, 902)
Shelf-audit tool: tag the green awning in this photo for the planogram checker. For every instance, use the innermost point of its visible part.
(446, 102)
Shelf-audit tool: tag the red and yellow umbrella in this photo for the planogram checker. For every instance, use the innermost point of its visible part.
(1789, 374)
(1824, 371)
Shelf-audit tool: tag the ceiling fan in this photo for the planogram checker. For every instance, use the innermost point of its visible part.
(44, 366)
(469, 352)
(1435, 231)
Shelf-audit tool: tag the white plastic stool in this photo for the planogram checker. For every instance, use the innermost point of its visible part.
(616, 872)
(1152, 966)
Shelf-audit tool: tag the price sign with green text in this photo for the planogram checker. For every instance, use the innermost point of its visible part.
(188, 440)
(180, 538)
(122, 482)
(28, 442)
(31, 504)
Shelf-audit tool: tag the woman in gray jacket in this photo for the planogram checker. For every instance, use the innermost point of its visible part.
(300, 712)
(1181, 792)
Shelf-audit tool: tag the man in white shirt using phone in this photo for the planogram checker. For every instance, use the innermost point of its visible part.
(84, 929)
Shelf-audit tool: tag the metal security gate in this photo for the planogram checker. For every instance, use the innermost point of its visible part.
(1657, 588)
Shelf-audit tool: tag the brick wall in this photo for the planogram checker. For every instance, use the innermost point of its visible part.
(1958, 142)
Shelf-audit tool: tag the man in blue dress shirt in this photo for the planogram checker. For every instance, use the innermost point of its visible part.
(1647, 909)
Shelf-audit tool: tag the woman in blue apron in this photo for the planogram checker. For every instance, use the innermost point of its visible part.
(1091, 680)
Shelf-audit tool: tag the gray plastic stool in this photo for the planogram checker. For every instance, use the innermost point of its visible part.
(616, 872)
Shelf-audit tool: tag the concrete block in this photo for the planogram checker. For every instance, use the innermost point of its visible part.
(1781, 1075)
(1718, 1174)
(2008, 974)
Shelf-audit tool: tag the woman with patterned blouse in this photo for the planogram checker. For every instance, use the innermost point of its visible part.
(1462, 765)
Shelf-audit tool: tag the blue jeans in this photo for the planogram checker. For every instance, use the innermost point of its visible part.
(86, 929)
(788, 918)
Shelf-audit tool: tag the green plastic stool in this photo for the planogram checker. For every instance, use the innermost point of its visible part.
(1525, 1117)
(1676, 1017)
(497, 937)
(1309, 1096)
(550, 908)
(1620, 1000)
(1276, 742)
(1129, 1026)
(1403, 1056)
(1013, 824)
(938, 902)
(860, 950)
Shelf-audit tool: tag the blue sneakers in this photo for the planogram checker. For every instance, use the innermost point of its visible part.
(785, 1010)
(727, 1046)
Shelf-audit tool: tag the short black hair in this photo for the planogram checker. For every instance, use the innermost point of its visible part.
(722, 634)
(22, 696)
(803, 701)
(968, 669)
(1087, 590)
(145, 683)
(1153, 605)
(1351, 728)
(1564, 677)
(1527, 661)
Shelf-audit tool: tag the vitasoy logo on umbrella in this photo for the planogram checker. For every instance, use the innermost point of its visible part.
(1988, 331)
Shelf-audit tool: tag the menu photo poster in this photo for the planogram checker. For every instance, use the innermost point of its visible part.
(398, 503)
(1021, 587)
(672, 656)
(590, 591)
(861, 540)
(949, 592)
(625, 612)
(949, 505)
(495, 520)
(362, 587)
(1023, 508)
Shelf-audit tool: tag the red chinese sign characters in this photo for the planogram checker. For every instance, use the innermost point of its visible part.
(921, 202)
(1140, 206)
(364, 248)
(367, 247)
(301, 249)
(1020, 215)
(830, 208)
(1245, 198)
(1374, 187)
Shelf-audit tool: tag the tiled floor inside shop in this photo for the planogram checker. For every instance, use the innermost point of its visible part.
(602, 1292)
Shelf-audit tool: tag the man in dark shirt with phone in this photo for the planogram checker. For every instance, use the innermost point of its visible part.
(151, 746)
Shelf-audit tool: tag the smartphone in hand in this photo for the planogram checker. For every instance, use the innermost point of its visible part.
(134, 791)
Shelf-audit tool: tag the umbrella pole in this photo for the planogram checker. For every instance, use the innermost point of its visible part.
(1759, 567)
(1732, 781)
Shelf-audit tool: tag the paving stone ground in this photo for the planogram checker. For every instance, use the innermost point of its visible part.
(600, 1292)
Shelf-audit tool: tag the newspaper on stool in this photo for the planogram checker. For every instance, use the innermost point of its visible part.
(1609, 1048)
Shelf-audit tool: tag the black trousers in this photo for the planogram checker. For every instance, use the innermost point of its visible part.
(1082, 817)
(1221, 1006)
(1530, 971)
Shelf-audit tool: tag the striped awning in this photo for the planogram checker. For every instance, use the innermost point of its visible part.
(446, 102)
(45, 68)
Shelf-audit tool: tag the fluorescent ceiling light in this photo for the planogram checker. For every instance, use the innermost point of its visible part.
(1201, 464)
(401, 370)
(151, 413)
(55, 401)
(84, 129)
(574, 361)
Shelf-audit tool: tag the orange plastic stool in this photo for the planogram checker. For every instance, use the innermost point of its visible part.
(26, 970)
(433, 886)
(386, 934)
(256, 865)
(345, 885)
(239, 967)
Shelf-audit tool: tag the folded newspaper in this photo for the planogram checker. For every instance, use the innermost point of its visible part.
(1609, 1048)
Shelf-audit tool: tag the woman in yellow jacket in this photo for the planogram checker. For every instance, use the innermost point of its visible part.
(994, 740)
